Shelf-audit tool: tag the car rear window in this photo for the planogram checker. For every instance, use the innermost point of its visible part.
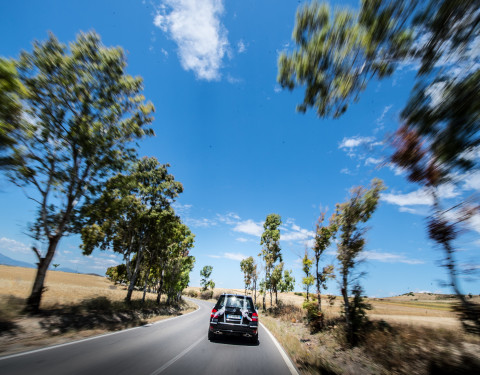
(236, 301)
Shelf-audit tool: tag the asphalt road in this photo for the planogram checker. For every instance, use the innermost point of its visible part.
(173, 346)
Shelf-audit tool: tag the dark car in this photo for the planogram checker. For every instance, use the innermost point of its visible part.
(234, 314)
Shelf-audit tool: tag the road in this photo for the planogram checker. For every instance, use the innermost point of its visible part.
(173, 346)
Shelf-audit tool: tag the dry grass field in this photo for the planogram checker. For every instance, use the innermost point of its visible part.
(90, 305)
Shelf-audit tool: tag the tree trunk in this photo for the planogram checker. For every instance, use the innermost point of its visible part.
(145, 288)
(133, 280)
(347, 308)
(276, 297)
(319, 297)
(33, 302)
(255, 292)
(271, 298)
(160, 287)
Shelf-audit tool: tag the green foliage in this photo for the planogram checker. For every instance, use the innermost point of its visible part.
(357, 210)
(357, 314)
(133, 217)
(82, 115)
(117, 274)
(309, 279)
(271, 251)
(249, 269)
(287, 284)
(11, 124)
(205, 273)
(315, 317)
(336, 54)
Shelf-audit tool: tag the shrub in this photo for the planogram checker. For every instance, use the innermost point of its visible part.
(315, 318)
(192, 293)
(207, 294)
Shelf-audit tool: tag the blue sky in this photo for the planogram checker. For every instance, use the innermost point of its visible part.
(234, 140)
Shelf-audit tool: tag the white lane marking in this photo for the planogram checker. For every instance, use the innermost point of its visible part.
(173, 360)
(286, 358)
(95, 337)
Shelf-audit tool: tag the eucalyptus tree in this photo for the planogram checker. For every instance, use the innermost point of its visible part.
(205, 281)
(309, 279)
(336, 57)
(324, 234)
(12, 92)
(124, 218)
(287, 283)
(82, 115)
(356, 211)
(248, 268)
(271, 251)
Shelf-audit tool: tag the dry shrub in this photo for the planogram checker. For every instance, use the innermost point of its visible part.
(192, 293)
(287, 312)
(206, 294)
(406, 350)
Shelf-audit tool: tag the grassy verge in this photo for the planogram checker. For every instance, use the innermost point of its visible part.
(383, 349)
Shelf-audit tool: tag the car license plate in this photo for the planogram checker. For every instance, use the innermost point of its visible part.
(229, 316)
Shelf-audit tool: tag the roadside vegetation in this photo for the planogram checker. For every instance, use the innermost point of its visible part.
(74, 306)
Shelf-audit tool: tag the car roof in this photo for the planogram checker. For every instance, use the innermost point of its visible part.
(236, 295)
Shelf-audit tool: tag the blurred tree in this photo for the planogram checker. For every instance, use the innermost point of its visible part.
(11, 123)
(205, 273)
(248, 267)
(271, 251)
(84, 115)
(309, 279)
(129, 212)
(117, 274)
(276, 280)
(287, 284)
(324, 234)
(358, 209)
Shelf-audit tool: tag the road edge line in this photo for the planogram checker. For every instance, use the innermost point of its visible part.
(177, 357)
(288, 361)
(95, 337)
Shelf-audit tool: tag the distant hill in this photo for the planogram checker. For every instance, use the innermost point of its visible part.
(13, 262)
(7, 261)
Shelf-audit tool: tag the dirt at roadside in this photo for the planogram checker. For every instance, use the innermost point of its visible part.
(56, 327)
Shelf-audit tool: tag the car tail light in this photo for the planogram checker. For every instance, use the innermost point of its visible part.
(254, 317)
(213, 313)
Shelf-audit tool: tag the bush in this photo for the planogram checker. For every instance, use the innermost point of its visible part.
(315, 318)
(192, 293)
(206, 294)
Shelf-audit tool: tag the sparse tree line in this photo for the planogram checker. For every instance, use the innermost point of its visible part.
(337, 53)
(70, 120)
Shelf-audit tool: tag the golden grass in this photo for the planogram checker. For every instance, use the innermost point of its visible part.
(63, 288)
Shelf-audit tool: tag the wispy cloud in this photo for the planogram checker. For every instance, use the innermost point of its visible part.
(420, 197)
(249, 227)
(196, 28)
(241, 46)
(352, 144)
(389, 257)
(232, 256)
(10, 245)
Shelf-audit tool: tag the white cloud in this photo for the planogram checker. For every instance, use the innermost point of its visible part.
(420, 197)
(231, 256)
(241, 47)
(472, 181)
(381, 120)
(200, 223)
(389, 258)
(7, 244)
(234, 256)
(249, 227)
(241, 239)
(195, 27)
(373, 161)
(355, 142)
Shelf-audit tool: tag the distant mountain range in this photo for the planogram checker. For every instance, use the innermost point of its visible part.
(7, 261)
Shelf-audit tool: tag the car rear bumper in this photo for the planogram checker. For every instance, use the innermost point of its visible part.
(234, 329)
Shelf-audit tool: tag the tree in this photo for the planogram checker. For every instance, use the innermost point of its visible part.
(336, 56)
(85, 114)
(276, 280)
(287, 284)
(11, 124)
(336, 60)
(324, 235)
(357, 210)
(117, 274)
(308, 280)
(130, 211)
(271, 251)
(205, 273)
(248, 267)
